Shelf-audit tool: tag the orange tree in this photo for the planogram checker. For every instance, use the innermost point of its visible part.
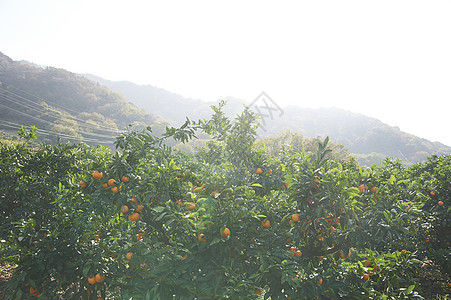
(37, 231)
(228, 221)
(432, 186)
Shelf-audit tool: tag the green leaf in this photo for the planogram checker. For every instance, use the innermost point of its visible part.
(410, 289)
(392, 179)
(19, 294)
(158, 209)
(215, 241)
(387, 215)
(86, 269)
(161, 216)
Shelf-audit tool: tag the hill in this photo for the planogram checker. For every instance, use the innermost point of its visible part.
(62, 103)
(368, 138)
(94, 110)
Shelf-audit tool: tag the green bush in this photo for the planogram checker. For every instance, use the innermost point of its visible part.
(300, 224)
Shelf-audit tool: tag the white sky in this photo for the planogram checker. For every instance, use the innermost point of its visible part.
(386, 59)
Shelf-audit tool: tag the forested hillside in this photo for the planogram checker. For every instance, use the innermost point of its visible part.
(62, 103)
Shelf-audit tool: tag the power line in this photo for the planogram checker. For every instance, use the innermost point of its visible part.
(61, 107)
(43, 120)
(52, 133)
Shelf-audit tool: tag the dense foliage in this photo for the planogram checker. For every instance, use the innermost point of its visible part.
(229, 221)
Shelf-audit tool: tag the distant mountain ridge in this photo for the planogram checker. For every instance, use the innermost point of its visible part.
(368, 138)
(89, 108)
(166, 105)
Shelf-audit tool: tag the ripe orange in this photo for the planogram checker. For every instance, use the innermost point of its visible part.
(367, 263)
(139, 208)
(298, 253)
(449, 284)
(373, 189)
(376, 267)
(32, 291)
(179, 203)
(133, 217)
(184, 256)
(365, 277)
(129, 255)
(258, 171)
(320, 282)
(440, 203)
(191, 205)
(342, 255)
(266, 224)
(92, 280)
(408, 207)
(136, 201)
(111, 182)
(97, 175)
(432, 193)
(258, 292)
(270, 171)
(105, 185)
(198, 189)
(226, 232)
(362, 188)
(115, 189)
(99, 278)
(201, 238)
(332, 229)
(124, 209)
(125, 178)
(316, 183)
(83, 184)
(295, 217)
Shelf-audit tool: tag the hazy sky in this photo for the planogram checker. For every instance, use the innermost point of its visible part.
(385, 59)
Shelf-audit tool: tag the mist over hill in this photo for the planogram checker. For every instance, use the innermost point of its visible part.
(166, 105)
(91, 109)
(368, 138)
